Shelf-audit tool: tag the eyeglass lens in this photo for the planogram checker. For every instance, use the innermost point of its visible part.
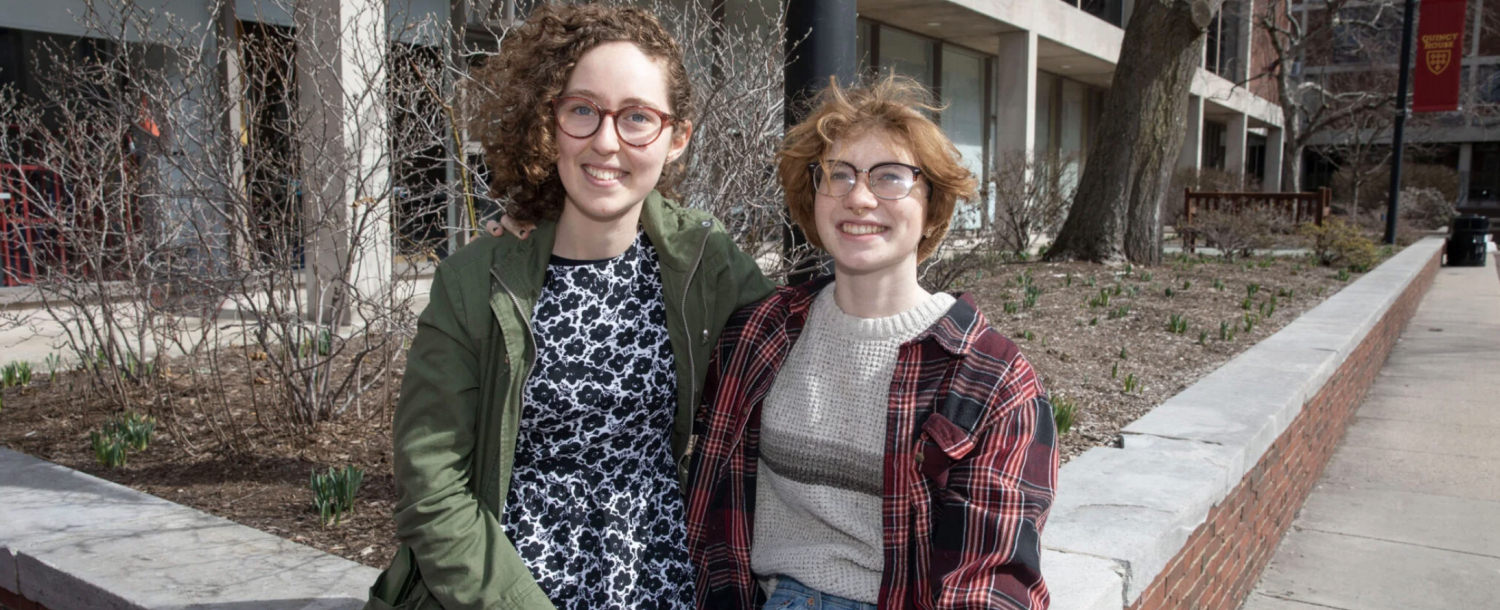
(635, 125)
(891, 181)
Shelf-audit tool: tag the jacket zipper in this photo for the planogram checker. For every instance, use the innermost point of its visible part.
(524, 318)
(688, 287)
(687, 452)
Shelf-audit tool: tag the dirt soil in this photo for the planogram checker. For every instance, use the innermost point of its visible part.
(1084, 353)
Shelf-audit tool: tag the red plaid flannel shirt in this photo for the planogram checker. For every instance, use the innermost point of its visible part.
(963, 511)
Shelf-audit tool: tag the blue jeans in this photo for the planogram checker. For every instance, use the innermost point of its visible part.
(793, 595)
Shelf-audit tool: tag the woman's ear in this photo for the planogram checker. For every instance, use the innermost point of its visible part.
(681, 134)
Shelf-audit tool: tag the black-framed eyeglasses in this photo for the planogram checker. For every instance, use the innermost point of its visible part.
(637, 126)
(886, 180)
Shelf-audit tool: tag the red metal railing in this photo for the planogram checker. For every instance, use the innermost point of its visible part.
(1301, 208)
(31, 197)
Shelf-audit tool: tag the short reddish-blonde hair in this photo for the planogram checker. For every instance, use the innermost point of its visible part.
(892, 106)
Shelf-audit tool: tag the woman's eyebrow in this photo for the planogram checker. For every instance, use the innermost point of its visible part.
(594, 97)
(585, 93)
(875, 164)
(635, 101)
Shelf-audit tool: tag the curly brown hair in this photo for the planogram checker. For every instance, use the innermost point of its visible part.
(893, 106)
(533, 66)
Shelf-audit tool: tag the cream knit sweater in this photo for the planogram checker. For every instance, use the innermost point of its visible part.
(822, 444)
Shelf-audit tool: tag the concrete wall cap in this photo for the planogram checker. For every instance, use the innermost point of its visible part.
(76, 541)
(1080, 582)
(1137, 506)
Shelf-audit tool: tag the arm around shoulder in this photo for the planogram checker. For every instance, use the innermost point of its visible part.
(750, 283)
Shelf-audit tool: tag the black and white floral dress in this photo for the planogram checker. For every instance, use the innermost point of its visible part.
(594, 506)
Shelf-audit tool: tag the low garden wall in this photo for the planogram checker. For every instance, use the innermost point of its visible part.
(1184, 514)
(70, 541)
(1188, 511)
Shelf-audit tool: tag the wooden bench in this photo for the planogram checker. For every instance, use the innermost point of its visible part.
(1302, 208)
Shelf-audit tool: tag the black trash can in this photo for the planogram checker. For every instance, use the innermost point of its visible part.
(1466, 241)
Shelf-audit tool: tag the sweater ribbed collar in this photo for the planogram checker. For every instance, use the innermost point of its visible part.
(826, 314)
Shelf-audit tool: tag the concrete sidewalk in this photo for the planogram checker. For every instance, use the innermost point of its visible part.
(1407, 513)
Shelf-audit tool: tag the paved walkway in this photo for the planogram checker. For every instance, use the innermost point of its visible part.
(1407, 514)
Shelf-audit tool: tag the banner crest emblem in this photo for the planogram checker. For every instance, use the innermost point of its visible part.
(1438, 60)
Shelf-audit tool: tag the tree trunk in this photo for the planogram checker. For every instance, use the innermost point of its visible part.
(1291, 166)
(1117, 211)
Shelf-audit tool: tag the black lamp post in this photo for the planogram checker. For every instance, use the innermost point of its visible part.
(820, 42)
(1397, 136)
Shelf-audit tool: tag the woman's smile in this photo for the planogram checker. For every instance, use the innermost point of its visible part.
(603, 174)
(860, 229)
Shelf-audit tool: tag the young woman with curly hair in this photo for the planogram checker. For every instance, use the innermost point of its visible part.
(547, 402)
(864, 443)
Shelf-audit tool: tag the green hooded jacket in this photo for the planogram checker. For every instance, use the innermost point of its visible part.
(454, 435)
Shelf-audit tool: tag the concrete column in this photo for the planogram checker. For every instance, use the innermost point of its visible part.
(1275, 147)
(1465, 171)
(1015, 103)
(231, 71)
(1015, 93)
(1234, 144)
(345, 182)
(1191, 156)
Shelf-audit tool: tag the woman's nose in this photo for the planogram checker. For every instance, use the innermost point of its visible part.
(860, 199)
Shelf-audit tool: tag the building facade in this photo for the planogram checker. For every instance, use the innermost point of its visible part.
(1025, 77)
(1466, 140)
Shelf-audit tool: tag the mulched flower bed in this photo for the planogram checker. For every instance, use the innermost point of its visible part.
(1087, 351)
(1084, 352)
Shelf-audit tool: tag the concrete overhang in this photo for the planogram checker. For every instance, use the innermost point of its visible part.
(1415, 134)
(1070, 42)
(1223, 99)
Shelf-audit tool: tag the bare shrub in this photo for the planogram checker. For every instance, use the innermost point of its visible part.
(198, 212)
(280, 194)
(103, 238)
(1426, 209)
(1367, 189)
(737, 66)
(1239, 233)
(1031, 198)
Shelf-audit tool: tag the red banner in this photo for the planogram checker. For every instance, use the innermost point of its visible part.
(1440, 51)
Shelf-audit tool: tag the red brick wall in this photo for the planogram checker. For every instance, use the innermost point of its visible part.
(1223, 559)
(11, 601)
(1262, 54)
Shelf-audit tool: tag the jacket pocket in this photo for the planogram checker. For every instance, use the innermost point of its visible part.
(941, 445)
(418, 599)
(396, 586)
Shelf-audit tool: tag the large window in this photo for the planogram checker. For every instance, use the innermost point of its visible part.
(1067, 112)
(963, 85)
(1108, 10)
(907, 54)
(961, 79)
(1222, 55)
